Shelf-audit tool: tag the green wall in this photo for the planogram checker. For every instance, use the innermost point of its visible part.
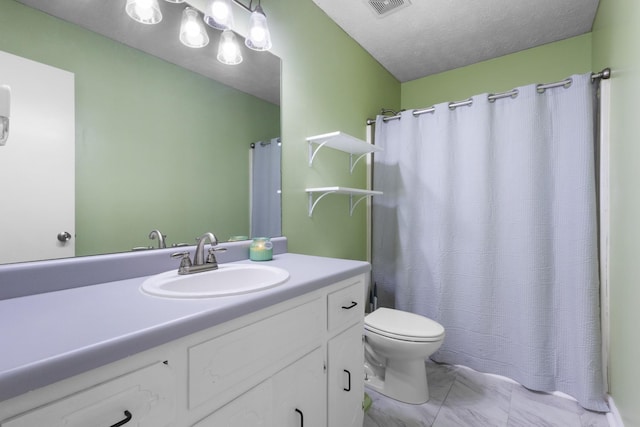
(329, 83)
(616, 33)
(544, 64)
(153, 145)
(129, 117)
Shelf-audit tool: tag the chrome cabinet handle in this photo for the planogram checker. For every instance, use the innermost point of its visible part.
(127, 418)
(353, 304)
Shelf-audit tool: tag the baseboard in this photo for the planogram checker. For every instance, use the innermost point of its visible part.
(613, 416)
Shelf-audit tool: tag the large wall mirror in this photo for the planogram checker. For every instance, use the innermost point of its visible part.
(163, 132)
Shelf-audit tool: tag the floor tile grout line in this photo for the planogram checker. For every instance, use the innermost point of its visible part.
(455, 378)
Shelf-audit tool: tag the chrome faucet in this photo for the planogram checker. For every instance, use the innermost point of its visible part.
(157, 234)
(199, 264)
(198, 258)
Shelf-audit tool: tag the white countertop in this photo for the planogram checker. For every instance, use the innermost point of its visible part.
(51, 336)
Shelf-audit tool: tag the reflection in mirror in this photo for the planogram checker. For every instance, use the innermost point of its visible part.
(159, 142)
(266, 188)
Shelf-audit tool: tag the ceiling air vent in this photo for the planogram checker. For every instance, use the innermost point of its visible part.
(384, 7)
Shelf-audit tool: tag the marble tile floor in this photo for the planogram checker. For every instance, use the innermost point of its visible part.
(461, 397)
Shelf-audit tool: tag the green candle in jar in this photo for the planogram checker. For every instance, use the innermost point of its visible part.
(261, 249)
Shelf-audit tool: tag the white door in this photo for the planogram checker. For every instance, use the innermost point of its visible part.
(37, 164)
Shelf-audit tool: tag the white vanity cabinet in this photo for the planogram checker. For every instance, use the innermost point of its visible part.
(251, 409)
(223, 367)
(345, 355)
(294, 397)
(300, 393)
(144, 398)
(296, 363)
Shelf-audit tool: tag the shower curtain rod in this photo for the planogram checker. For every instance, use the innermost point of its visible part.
(604, 74)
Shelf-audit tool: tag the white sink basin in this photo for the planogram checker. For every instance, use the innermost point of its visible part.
(232, 279)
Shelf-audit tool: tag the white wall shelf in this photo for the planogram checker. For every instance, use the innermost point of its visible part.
(357, 193)
(343, 142)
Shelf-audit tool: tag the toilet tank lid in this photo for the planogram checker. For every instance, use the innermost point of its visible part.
(403, 323)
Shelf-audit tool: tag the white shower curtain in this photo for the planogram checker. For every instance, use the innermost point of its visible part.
(266, 211)
(488, 225)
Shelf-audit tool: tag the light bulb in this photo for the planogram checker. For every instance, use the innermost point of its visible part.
(219, 15)
(219, 10)
(259, 37)
(144, 11)
(228, 50)
(192, 31)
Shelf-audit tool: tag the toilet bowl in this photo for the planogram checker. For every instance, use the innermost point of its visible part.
(396, 346)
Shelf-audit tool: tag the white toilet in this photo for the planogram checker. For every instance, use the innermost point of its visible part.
(396, 346)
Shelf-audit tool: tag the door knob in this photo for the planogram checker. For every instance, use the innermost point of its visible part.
(64, 236)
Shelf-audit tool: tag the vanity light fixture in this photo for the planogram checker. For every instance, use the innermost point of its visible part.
(259, 36)
(218, 14)
(228, 49)
(192, 31)
(144, 11)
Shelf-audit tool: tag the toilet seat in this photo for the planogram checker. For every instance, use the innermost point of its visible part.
(404, 326)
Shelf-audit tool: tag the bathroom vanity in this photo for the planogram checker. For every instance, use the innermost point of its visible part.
(109, 355)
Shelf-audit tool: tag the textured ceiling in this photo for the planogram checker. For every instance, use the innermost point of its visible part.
(258, 74)
(423, 37)
(431, 36)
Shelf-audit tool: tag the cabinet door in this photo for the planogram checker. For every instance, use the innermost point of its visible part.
(300, 396)
(251, 409)
(346, 378)
(223, 368)
(141, 398)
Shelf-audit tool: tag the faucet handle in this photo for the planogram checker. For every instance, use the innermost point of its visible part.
(185, 261)
(211, 258)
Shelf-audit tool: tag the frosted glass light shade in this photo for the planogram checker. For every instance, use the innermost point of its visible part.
(228, 49)
(192, 30)
(144, 11)
(219, 14)
(259, 37)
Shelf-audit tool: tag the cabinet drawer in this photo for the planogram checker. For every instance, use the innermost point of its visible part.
(345, 307)
(147, 396)
(224, 367)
